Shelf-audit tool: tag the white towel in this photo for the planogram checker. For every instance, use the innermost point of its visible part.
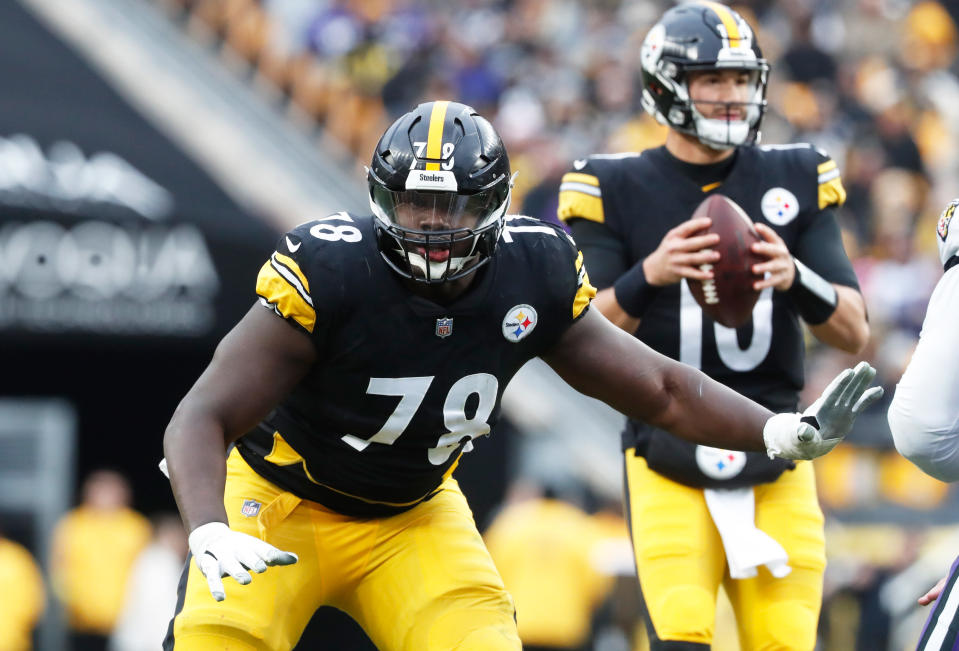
(734, 512)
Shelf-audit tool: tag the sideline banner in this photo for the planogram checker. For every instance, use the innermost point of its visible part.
(107, 228)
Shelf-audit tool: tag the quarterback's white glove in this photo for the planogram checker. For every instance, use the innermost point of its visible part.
(827, 421)
(219, 551)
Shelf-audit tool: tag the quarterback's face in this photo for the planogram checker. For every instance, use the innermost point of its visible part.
(722, 94)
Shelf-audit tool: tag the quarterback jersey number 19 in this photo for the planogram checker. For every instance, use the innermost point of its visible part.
(734, 356)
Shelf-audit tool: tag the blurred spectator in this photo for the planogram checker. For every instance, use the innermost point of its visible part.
(804, 61)
(557, 563)
(152, 589)
(24, 597)
(93, 549)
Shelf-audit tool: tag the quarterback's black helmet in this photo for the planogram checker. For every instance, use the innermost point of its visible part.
(701, 36)
(439, 188)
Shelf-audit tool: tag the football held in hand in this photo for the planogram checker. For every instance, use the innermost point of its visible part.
(728, 297)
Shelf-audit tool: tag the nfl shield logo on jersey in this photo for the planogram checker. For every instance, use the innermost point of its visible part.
(444, 327)
(250, 508)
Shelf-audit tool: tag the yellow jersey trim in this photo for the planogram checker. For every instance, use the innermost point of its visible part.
(579, 177)
(585, 292)
(576, 204)
(283, 454)
(711, 186)
(284, 288)
(832, 193)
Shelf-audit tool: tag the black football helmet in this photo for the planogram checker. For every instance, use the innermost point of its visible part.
(701, 36)
(439, 188)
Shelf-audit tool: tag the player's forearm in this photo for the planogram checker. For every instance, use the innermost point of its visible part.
(847, 328)
(608, 364)
(701, 410)
(195, 452)
(607, 304)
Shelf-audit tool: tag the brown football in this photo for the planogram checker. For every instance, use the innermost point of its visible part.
(728, 298)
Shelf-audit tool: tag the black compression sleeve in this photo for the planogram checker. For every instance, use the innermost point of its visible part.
(820, 248)
(604, 254)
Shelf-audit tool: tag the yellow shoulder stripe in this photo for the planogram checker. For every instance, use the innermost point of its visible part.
(573, 203)
(585, 292)
(832, 193)
(825, 167)
(579, 177)
(282, 284)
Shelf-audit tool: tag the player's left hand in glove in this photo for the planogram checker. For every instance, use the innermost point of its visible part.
(827, 421)
(219, 551)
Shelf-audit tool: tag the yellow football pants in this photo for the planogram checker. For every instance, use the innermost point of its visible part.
(681, 562)
(418, 581)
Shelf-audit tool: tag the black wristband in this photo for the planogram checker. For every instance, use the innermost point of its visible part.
(814, 297)
(632, 291)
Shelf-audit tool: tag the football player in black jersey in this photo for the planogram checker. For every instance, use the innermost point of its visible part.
(378, 352)
(704, 77)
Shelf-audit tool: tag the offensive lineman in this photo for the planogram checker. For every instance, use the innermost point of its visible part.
(380, 349)
(704, 76)
(924, 420)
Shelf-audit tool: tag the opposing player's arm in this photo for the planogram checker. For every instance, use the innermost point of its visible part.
(922, 415)
(255, 365)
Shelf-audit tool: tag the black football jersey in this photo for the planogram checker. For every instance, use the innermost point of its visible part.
(639, 197)
(402, 385)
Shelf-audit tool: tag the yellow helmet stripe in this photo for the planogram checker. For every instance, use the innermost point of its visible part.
(728, 20)
(434, 141)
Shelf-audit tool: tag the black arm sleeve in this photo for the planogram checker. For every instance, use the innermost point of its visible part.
(820, 248)
(604, 254)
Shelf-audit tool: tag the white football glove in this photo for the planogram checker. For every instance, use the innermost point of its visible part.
(219, 551)
(827, 421)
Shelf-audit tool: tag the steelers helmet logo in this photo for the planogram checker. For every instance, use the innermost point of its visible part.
(519, 322)
(718, 463)
(779, 206)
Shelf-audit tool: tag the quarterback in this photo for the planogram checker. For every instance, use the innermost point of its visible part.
(924, 420)
(376, 356)
(701, 517)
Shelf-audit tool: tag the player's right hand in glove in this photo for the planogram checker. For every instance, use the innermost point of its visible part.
(219, 551)
(827, 421)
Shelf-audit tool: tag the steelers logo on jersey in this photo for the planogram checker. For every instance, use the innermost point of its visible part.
(780, 206)
(718, 463)
(519, 322)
